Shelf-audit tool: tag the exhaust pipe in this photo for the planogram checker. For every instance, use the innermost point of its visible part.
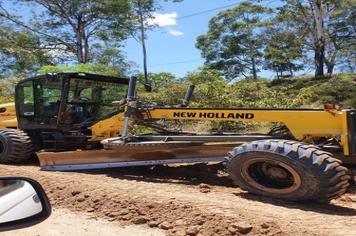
(130, 100)
(188, 96)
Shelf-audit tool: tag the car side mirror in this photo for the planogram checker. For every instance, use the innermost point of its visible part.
(23, 203)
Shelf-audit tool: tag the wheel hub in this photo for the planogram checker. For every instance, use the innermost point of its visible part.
(275, 172)
(271, 176)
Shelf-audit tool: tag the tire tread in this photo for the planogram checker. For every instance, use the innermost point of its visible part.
(19, 146)
(332, 177)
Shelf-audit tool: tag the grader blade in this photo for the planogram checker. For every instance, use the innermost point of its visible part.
(137, 154)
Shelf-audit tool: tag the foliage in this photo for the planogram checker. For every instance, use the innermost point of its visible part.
(339, 89)
(166, 89)
(158, 80)
(209, 90)
(110, 55)
(71, 27)
(88, 68)
(213, 91)
(234, 40)
(341, 40)
(20, 52)
(282, 52)
(295, 33)
(325, 25)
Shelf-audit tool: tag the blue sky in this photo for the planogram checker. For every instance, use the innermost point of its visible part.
(175, 41)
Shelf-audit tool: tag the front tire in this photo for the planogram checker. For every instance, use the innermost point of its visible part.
(15, 146)
(287, 170)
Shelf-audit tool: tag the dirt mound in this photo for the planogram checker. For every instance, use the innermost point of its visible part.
(185, 200)
(177, 219)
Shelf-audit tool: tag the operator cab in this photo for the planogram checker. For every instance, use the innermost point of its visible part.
(67, 102)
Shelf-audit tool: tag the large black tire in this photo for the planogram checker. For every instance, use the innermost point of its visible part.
(15, 146)
(287, 170)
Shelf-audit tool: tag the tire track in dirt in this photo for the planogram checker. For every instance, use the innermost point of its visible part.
(186, 200)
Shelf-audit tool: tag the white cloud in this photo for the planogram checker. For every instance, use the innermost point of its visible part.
(163, 19)
(176, 33)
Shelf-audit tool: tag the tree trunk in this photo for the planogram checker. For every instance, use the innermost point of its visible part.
(79, 46)
(330, 63)
(320, 38)
(86, 46)
(291, 72)
(254, 70)
(330, 68)
(319, 60)
(143, 43)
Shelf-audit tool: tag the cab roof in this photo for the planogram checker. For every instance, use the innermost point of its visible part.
(80, 75)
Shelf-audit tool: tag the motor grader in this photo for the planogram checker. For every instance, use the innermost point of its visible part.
(75, 121)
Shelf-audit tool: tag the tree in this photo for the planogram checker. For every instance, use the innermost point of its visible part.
(210, 90)
(159, 80)
(282, 52)
(234, 41)
(340, 36)
(20, 52)
(318, 22)
(73, 26)
(141, 11)
(111, 55)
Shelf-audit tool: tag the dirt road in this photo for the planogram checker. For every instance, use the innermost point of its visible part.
(64, 222)
(187, 200)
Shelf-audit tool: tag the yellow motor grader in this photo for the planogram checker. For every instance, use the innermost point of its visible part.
(76, 121)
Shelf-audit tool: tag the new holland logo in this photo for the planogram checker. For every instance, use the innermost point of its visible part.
(213, 115)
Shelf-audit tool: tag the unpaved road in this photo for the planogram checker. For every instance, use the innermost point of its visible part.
(187, 200)
(66, 223)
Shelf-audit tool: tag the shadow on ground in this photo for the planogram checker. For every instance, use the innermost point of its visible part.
(211, 174)
(214, 175)
(323, 208)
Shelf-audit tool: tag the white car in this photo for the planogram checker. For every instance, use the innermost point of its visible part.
(22, 203)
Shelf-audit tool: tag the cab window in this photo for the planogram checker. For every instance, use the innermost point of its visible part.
(90, 101)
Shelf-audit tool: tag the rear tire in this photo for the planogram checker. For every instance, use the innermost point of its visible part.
(287, 170)
(15, 146)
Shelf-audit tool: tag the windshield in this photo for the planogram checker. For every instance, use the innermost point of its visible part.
(91, 100)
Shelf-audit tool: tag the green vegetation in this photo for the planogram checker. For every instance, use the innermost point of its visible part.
(86, 68)
(251, 36)
(212, 90)
(234, 41)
